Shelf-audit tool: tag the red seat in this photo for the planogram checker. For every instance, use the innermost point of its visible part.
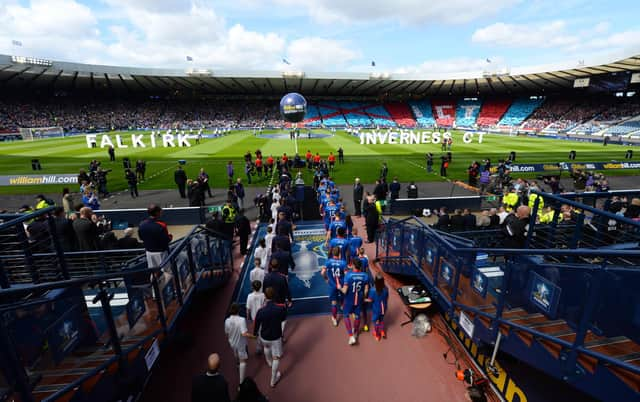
(492, 111)
(401, 114)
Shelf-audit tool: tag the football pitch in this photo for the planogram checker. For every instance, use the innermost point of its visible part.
(70, 154)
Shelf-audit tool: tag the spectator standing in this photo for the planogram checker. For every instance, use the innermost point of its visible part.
(371, 220)
(141, 168)
(67, 201)
(358, 191)
(210, 386)
(230, 172)
(180, 178)
(64, 229)
(203, 179)
(248, 170)
(412, 190)
(239, 191)
(515, 227)
(90, 199)
(384, 171)
(443, 220)
(156, 238)
(132, 181)
(86, 230)
(429, 162)
(394, 188)
(243, 228)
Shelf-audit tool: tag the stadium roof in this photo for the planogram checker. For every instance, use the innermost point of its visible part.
(23, 73)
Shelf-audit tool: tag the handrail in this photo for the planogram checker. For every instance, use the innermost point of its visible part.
(99, 368)
(26, 217)
(81, 253)
(14, 292)
(584, 207)
(538, 334)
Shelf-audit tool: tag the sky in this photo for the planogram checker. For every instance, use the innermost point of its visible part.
(400, 36)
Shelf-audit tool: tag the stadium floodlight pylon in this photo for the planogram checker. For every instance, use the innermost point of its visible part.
(32, 133)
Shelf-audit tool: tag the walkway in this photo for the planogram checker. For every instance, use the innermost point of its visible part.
(318, 364)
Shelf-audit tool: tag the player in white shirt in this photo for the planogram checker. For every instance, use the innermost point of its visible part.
(257, 273)
(236, 329)
(274, 211)
(262, 253)
(268, 239)
(255, 301)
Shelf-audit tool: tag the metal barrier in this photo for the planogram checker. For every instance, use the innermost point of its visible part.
(200, 260)
(579, 296)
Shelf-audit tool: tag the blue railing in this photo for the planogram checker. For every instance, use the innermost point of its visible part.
(172, 287)
(593, 288)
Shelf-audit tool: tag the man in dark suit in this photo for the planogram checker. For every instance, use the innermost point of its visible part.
(443, 220)
(358, 191)
(86, 231)
(210, 386)
(180, 177)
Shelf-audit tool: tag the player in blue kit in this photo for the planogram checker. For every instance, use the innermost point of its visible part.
(328, 213)
(355, 288)
(378, 297)
(355, 242)
(336, 223)
(333, 273)
(342, 243)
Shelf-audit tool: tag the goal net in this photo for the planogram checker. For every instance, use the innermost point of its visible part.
(41, 132)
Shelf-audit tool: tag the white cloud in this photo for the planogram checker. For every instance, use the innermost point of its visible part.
(556, 34)
(317, 54)
(454, 65)
(403, 11)
(551, 34)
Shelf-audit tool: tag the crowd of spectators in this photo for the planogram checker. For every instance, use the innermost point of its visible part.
(74, 114)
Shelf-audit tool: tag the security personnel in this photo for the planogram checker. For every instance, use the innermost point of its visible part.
(532, 201)
(42, 202)
(229, 218)
(511, 200)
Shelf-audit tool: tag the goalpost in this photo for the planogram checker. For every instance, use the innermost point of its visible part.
(32, 133)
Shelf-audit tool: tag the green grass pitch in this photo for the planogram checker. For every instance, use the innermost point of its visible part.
(68, 155)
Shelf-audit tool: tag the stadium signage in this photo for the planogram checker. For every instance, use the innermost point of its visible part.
(139, 141)
(412, 137)
(26, 180)
(554, 167)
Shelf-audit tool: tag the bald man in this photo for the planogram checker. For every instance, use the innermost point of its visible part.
(210, 386)
(516, 227)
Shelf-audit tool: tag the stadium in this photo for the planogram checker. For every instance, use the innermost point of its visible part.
(500, 208)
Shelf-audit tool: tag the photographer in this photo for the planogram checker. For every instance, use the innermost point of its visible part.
(101, 181)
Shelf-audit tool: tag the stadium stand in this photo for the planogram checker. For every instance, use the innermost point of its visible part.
(627, 127)
(379, 116)
(550, 111)
(423, 113)
(445, 112)
(467, 112)
(354, 114)
(313, 117)
(492, 111)
(400, 112)
(519, 110)
(331, 114)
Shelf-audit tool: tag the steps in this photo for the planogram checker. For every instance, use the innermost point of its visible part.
(619, 347)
